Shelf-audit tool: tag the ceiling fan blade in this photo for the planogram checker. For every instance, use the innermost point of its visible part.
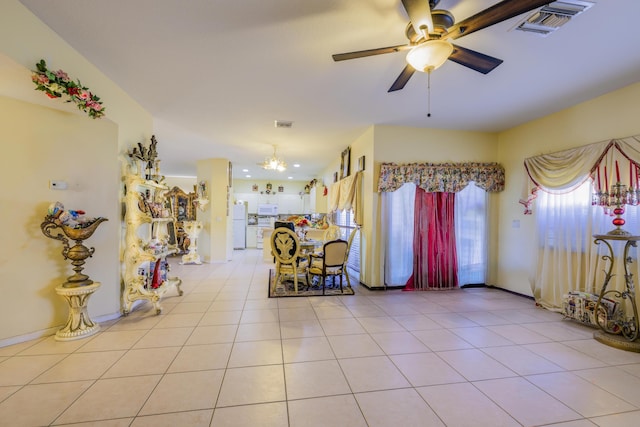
(419, 13)
(499, 12)
(402, 79)
(370, 52)
(475, 60)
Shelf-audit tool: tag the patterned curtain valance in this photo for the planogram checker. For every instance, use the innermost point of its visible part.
(441, 177)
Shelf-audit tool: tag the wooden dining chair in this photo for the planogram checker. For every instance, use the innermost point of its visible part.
(330, 263)
(333, 232)
(289, 261)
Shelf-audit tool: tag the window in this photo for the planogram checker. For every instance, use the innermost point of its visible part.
(568, 258)
(569, 220)
(565, 219)
(471, 235)
(344, 219)
(471, 228)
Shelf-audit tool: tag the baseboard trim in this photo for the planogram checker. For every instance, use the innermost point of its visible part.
(512, 292)
(32, 336)
(379, 288)
(473, 285)
(468, 286)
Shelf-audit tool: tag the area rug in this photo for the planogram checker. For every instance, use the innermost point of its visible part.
(286, 289)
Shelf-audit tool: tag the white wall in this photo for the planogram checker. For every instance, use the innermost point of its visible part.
(71, 148)
(45, 139)
(614, 115)
(215, 243)
(184, 183)
(25, 39)
(292, 200)
(408, 145)
(398, 144)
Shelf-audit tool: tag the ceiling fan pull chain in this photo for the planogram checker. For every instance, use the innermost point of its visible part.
(429, 93)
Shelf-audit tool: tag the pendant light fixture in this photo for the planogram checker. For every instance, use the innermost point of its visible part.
(274, 162)
(429, 55)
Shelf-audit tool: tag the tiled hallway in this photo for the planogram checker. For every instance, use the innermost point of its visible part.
(226, 355)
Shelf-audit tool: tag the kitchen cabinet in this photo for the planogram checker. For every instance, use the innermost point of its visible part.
(289, 204)
(252, 200)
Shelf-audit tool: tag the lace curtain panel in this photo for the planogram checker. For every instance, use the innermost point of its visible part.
(441, 177)
(568, 259)
(566, 220)
(397, 234)
(472, 225)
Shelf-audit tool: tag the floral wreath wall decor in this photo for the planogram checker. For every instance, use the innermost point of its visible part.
(58, 83)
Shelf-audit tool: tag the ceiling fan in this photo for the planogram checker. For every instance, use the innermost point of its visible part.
(430, 30)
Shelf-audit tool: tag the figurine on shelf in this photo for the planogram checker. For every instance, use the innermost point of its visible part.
(148, 157)
(69, 218)
(201, 195)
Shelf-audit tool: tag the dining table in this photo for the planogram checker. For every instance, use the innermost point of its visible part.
(309, 245)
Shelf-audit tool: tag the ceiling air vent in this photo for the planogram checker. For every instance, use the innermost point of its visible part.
(283, 124)
(549, 18)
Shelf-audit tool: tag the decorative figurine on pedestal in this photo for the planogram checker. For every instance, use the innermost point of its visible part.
(192, 228)
(78, 287)
(201, 192)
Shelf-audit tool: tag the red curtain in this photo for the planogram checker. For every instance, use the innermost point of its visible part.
(434, 242)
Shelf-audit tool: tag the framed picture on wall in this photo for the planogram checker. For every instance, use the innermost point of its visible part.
(345, 163)
(361, 163)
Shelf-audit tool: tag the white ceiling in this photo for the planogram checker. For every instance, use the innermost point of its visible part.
(216, 74)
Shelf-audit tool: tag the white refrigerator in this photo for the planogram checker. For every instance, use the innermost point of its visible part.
(239, 226)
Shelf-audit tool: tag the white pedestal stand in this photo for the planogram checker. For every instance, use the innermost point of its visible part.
(192, 228)
(79, 324)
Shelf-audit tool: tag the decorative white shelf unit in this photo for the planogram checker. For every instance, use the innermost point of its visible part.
(148, 241)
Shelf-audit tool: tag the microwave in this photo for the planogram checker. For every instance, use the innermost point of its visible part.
(267, 209)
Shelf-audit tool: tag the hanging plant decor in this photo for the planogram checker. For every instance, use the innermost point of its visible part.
(57, 83)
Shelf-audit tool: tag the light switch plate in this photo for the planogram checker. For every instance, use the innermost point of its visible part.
(58, 185)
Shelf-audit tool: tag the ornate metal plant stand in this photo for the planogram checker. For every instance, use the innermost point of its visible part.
(78, 287)
(619, 329)
(192, 228)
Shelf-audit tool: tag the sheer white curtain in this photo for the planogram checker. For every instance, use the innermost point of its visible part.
(471, 225)
(568, 259)
(397, 208)
(471, 234)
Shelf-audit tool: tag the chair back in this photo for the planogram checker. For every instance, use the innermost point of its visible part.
(285, 245)
(350, 241)
(335, 252)
(285, 224)
(331, 233)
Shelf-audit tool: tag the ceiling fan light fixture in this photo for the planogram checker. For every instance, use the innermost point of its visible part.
(274, 163)
(429, 55)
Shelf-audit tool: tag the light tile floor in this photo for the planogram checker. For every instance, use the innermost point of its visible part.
(224, 354)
